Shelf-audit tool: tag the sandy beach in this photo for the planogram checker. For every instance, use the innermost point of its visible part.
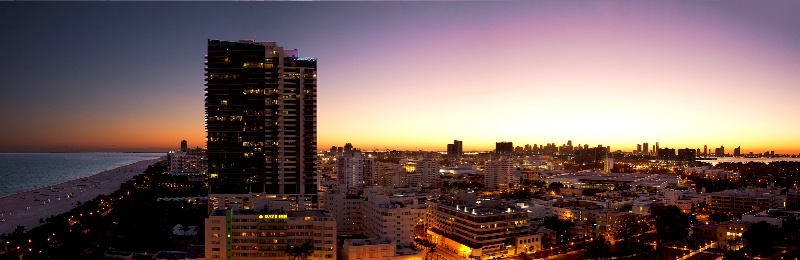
(28, 207)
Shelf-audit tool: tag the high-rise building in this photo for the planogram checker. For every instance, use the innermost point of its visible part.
(646, 147)
(455, 150)
(429, 170)
(719, 151)
(261, 116)
(705, 150)
(737, 151)
(687, 154)
(638, 148)
(184, 146)
(665, 154)
(355, 171)
(608, 164)
(499, 174)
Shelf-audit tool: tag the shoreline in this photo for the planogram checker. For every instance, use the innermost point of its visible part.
(26, 208)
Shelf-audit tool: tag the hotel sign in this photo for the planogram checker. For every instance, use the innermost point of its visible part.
(272, 216)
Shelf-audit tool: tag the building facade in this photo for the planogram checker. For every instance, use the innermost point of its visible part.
(455, 150)
(261, 120)
(429, 170)
(499, 174)
(737, 202)
(355, 171)
(248, 234)
(480, 231)
(392, 214)
(187, 161)
(504, 147)
(345, 206)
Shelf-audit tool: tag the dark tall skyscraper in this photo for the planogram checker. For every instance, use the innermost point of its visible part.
(504, 147)
(261, 113)
(719, 151)
(737, 151)
(455, 150)
(184, 146)
(666, 153)
(687, 154)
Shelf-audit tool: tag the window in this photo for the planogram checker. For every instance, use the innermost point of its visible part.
(216, 249)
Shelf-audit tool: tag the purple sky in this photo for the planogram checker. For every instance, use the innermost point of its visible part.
(110, 76)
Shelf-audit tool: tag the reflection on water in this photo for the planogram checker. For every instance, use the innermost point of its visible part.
(746, 160)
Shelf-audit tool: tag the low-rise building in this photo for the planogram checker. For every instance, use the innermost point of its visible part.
(378, 248)
(738, 202)
(684, 200)
(246, 234)
(773, 216)
(345, 206)
(389, 213)
(481, 230)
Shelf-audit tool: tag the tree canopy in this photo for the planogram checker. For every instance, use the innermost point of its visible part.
(761, 237)
(561, 227)
(718, 217)
(671, 224)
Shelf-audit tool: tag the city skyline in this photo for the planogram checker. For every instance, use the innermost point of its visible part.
(411, 76)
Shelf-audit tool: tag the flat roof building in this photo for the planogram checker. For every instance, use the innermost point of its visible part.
(486, 230)
(738, 202)
(248, 234)
(261, 112)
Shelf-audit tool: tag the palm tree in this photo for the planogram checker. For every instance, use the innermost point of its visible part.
(301, 252)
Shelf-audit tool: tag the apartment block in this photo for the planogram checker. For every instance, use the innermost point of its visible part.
(738, 202)
(392, 215)
(482, 230)
(248, 234)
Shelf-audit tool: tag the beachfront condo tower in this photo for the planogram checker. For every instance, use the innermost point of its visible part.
(261, 114)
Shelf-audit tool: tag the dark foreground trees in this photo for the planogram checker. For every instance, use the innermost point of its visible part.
(598, 247)
(561, 227)
(761, 238)
(671, 224)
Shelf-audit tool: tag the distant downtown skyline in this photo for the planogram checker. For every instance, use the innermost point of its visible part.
(108, 76)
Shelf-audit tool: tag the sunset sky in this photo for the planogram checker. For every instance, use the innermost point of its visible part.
(128, 76)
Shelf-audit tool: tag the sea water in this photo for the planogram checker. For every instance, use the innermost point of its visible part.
(766, 160)
(20, 172)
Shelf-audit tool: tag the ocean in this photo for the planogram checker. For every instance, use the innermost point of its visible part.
(746, 160)
(21, 172)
